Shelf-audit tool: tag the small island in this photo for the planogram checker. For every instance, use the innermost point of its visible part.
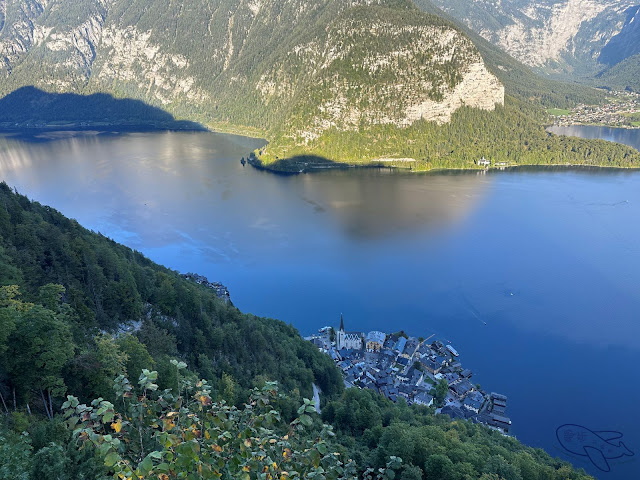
(399, 366)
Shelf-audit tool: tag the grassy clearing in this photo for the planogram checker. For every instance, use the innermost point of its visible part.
(558, 112)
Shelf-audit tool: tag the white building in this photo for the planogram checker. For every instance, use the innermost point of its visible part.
(348, 340)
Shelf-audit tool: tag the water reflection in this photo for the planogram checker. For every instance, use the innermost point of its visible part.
(627, 136)
(533, 276)
(374, 203)
(195, 181)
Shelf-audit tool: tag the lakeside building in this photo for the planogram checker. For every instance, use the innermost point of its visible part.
(375, 341)
(348, 340)
(398, 367)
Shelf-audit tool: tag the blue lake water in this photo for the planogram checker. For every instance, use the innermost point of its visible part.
(534, 276)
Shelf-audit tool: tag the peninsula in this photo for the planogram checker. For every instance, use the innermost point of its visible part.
(333, 84)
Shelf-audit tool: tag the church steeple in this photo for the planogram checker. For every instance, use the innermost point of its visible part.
(341, 323)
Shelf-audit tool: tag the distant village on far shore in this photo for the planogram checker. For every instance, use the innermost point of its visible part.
(398, 366)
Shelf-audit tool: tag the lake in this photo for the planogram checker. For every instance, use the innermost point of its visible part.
(533, 275)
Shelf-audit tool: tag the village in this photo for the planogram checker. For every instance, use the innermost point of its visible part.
(623, 110)
(399, 366)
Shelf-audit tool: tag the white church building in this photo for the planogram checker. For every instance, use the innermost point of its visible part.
(349, 340)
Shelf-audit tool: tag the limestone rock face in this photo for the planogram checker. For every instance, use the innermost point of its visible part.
(556, 36)
(291, 66)
(478, 89)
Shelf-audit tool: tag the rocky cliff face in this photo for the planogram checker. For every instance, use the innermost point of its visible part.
(557, 36)
(291, 66)
(415, 72)
(626, 43)
(18, 31)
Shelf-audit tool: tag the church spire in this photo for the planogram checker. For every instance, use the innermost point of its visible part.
(341, 323)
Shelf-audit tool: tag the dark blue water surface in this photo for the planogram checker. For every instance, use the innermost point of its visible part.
(534, 276)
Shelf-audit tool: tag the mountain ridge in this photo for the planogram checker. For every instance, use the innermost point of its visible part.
(343, 80)
(126, 49)
(564, 39)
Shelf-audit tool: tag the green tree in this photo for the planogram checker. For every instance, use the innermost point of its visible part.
(168, 435)
(15, 457)
(439, 467)
(411, 472)
(38, 349)
(442, 387)
(136, 354)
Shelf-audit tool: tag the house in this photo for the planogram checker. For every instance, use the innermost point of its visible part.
(321, 342)
(400, 344)
(375, 341)
(455, 365)
(473, 401)
(499, 403)
(350, 381)
(390, 392)
(384, 381)
(462, 388)
(431, 366)
(410, 347)
(416, 376)
(499, 399)
(466, 373)
(405, 390)
(423, 399)
(453, 412)
(438, 347)
(483, 162)
(426, 387)
(402, 362)
(441, 360)
(451, 377)
(499, 421)
(425, 349)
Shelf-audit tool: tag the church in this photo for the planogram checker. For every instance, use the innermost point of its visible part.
(349, 340)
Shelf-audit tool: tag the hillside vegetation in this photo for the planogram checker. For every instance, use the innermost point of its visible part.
(84, 316)
(623, 76)
(327, 82)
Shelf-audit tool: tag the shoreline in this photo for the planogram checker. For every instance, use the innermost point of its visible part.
(421, 371)
(461, 170)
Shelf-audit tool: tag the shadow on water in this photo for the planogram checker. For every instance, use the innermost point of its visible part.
(30, 109)
(297, 164)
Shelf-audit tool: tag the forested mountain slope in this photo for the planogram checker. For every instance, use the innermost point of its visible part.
(78, 310)
(251, 63)
(355, 81)
(109, 286)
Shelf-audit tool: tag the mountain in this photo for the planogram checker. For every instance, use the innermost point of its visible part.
(626, 43)
(624, 75)
(78, 310)
(330, 81)
(251, 63)
(566, 38)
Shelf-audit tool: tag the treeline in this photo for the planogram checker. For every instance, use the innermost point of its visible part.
(513, 134)
(371, 429)
(623, 75)
(104, 287)
(67, 298)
